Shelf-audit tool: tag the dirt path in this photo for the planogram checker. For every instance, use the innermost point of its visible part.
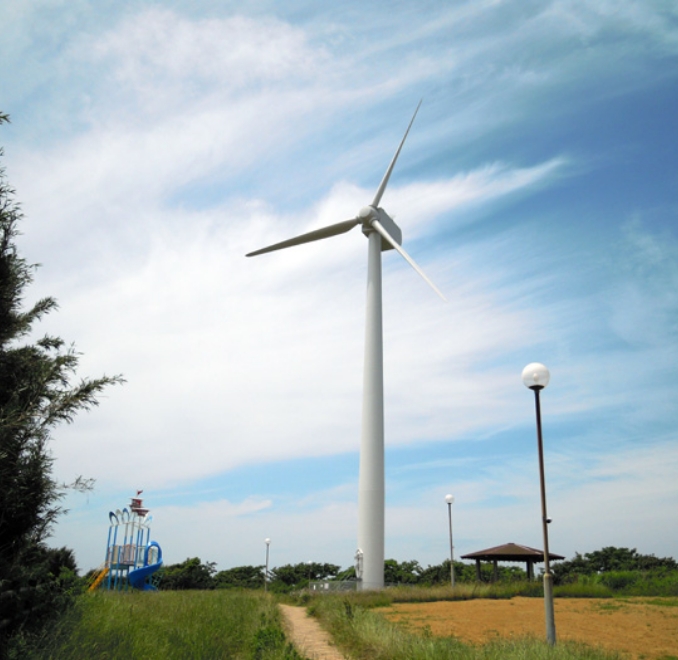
(308, 637)
(642, 627)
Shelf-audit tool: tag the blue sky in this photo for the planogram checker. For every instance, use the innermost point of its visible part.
(153, 144)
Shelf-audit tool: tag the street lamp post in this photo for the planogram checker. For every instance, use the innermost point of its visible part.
(450, 500)
(536, 377)
(268, 545)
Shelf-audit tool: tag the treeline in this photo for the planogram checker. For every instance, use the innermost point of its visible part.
(610, 560)
(195, 574)
(613, 566)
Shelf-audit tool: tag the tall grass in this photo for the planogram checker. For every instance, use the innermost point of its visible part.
(466, 591)
(605, 585)
(469, 591)
(167, 625)
(366, 635)
(639, 583)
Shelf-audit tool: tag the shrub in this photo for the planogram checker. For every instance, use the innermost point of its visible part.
(620, 580)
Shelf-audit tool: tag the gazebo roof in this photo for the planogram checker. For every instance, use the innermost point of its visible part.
(511, 552)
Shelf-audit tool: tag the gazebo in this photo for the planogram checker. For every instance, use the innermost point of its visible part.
(510, 552)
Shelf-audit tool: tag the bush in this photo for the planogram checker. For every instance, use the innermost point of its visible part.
(620, 580)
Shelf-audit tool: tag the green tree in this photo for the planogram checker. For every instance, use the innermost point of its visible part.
(36, 394)
(297, 576)
(607, 560)
(241, 577)
(625, 559)
(406, 572)
(189, 574)
(346, 574)
(440, 573)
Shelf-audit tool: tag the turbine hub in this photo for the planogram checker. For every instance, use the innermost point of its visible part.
(367, 213)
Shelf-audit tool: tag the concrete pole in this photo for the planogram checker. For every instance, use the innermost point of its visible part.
(371, 489)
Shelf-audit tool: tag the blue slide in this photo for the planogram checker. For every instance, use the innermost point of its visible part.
(138, 577)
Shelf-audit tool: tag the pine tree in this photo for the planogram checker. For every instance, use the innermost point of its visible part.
(37, 393)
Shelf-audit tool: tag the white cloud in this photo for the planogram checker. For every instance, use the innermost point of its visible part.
(420, 203)
(229, 359)
(157, 49)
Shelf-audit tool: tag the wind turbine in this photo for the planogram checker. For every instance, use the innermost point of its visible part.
(382, 234)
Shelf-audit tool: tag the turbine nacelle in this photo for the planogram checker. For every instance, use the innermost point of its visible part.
(367, 217)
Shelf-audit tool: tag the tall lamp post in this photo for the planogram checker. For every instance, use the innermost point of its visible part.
(450, 500)
(268, 545)
(536, 377)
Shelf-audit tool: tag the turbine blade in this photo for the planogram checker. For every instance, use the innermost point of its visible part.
(380, 229)
(387, 176)
(316, 235)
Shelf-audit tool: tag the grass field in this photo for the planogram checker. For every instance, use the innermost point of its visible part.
(164, 625)
(247, 625)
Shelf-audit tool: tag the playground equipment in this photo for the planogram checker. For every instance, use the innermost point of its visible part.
(141, 578)
(98, 578)
(132, 559)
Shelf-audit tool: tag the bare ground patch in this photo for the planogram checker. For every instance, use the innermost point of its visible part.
(645, 628)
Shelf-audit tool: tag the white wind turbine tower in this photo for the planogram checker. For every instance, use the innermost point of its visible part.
(382, 234)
